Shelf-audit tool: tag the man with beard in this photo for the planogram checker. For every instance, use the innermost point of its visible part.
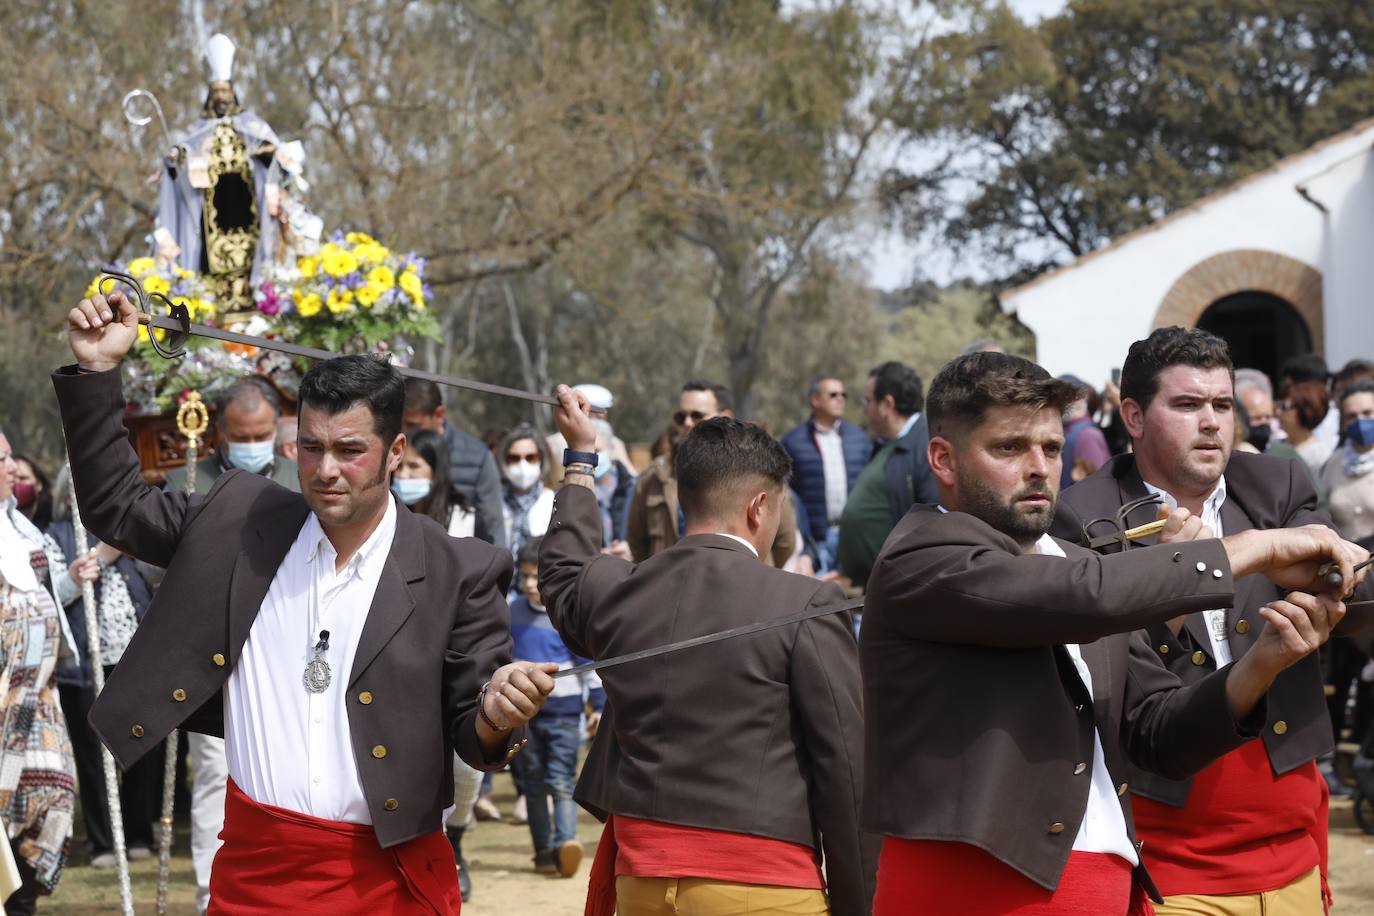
(1251, 826)
(656, 520)
(1003, 688)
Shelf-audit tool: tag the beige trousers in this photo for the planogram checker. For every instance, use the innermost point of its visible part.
(1302, 897)
(704, 897)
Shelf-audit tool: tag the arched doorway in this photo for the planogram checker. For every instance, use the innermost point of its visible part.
(1261, 328)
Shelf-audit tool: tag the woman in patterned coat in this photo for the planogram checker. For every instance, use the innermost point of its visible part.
(37, 777)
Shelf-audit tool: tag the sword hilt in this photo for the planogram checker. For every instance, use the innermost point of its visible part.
(174, 346)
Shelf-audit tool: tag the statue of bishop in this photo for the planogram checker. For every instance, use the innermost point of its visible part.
(213, 194)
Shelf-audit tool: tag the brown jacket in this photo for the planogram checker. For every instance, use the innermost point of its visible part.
(437, 629)
(1261, 492)
(653, 518)
(759, 735)
(976, 720)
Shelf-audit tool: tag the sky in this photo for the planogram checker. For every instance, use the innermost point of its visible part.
(888, 257)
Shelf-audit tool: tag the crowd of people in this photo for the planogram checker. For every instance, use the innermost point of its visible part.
(804, 745)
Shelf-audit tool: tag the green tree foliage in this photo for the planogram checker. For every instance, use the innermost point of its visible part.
(1111, 115)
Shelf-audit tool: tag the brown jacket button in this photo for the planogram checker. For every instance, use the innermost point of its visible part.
(179, 695)
(379, 751)
(1199, 658)
(391, 804)
(1280, 727)
(365, 698)
(1242, 626)
(136, 731)
(218, 659)
(1056, 827)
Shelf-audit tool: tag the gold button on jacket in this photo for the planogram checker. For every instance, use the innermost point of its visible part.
(1056, 827)
(1121, 789)
(391, 804)
(1280, 727)
(379, 751)
(1080, 769)
(1163, 648)
(179, 695)
(365, 698)
(1199, 658)
(136, 731)
(218, 659)
(1242, 626)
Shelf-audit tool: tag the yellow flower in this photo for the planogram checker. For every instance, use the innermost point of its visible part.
(309, 306)
(140, 266)
(381, 277)
(371, 253)
(339, 300)
(93, 288)
(367, 295)
(143, 334)
(360, 238)
(182, 273)
(410, 282)
(308, 266)
(329, 248)
(340, 263)
(155, 284)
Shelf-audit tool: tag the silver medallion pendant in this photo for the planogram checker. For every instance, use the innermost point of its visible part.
(317, 674)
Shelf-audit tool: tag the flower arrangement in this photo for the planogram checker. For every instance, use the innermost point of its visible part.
(354, 295)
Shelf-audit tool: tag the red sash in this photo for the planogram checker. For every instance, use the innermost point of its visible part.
(1243, 830)
(653, 849)
(939, 877)
(274, 860)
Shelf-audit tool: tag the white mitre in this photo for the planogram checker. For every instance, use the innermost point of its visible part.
(219, 54)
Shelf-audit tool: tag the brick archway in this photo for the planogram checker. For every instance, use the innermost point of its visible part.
(1238, 271)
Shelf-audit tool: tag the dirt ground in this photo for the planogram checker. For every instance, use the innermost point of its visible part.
(505, 884)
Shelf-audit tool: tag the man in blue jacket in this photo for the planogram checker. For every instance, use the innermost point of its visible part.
(827, 456)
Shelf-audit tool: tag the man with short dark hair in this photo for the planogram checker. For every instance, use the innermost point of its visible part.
(656, 521)
(473, 467)
(827, 456)
(1253, 824)
(722, 772)
(341, 644)
(896, 478)
(1004, 690)
(246, 415)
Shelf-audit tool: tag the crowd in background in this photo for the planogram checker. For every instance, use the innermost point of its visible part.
(856, 470)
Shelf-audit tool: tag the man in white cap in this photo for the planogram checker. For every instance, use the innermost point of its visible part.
(601, 401)
(212, 199)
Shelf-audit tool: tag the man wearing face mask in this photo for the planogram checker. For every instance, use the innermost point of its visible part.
(246, 415)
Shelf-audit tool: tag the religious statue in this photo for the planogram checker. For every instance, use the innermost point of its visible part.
(213, 198)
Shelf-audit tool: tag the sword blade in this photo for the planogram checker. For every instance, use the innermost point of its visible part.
(706, 640)
(281, 346)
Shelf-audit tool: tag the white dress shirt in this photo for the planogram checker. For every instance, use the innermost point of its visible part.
(1211, 517)
(736, 537)
(831, 446)
(1104, 826)
(286, 746)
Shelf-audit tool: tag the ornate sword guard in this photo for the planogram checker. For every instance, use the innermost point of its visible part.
(174, 346)
(1119, 526)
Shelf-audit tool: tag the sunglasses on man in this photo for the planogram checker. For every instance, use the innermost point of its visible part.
(681, 416)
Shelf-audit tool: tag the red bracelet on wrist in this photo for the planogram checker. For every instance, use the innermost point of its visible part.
(481, 709)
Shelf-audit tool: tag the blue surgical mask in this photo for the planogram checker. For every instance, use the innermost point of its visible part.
(603, 465)
(250, 456)
(410, 490)
(1360, 432)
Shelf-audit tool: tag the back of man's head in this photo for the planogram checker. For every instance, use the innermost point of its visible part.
(335, 385)
(1308, 367)
(1248, 379)
(722, 464)
(900, 381)
(1164, 349)
(968, 387)
(422, 396)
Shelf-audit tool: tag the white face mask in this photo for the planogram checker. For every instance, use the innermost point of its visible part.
(523, 475)
(250, 456)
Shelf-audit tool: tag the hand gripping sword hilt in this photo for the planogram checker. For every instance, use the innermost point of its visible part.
(174, 346)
